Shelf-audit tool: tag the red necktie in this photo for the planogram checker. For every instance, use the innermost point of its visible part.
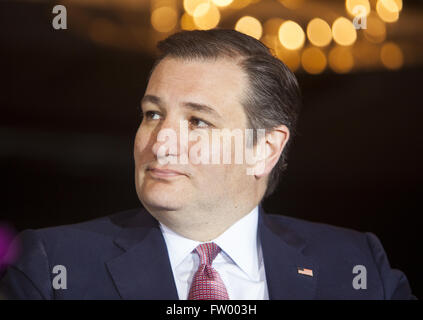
(207, 284)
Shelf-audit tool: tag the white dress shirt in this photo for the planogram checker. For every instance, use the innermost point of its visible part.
(239, 263)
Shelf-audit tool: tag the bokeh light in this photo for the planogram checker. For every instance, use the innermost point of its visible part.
(239, 4)
(250, 26)
(392, 5)
(222, 3)
(376, 29)
(271, 26)
(291, 35)
(319, 32)
(341, 59)
(343, 32)
(187, 22)
(271, 42)
(291, 58)
(190, 5)
(313, 60)
(391, 56)
(384, 7)
(164, 19)
(291, 4)
(206, 16)
(399, 4)
(352, 6)
(366, 55)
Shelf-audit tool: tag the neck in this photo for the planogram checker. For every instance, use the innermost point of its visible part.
(206, 225)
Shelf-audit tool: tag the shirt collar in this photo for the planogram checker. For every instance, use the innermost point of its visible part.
(178, 247)
(239, 242)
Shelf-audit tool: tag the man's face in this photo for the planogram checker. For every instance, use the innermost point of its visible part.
(174, 93)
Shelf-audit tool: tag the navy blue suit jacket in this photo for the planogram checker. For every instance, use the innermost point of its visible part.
(124, 256)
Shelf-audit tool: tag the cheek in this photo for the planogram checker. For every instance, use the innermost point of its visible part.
(218, 178)
(219, 171)
(140, 145)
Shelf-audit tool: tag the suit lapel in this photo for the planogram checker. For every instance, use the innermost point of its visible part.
(282, 255)
(143, 271)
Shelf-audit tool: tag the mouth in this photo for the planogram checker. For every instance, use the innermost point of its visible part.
(164, 173)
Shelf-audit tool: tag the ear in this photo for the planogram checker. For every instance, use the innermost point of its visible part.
(274, 142)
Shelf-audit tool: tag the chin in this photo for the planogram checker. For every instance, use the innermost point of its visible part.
(161, 199)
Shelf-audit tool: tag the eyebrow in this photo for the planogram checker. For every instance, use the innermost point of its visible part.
(194, 106)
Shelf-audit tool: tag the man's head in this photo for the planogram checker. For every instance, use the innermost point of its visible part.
(216, 79)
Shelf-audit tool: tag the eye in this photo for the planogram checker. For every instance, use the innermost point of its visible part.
(150, 114)
(200, 123)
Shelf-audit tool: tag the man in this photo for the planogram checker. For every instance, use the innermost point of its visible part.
(202, 233)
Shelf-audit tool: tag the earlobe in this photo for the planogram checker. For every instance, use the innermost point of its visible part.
(274, 145)
(261, 167)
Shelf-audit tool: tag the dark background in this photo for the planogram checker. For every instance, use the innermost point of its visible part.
(70, 110)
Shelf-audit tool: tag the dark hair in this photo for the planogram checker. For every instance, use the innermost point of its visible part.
(273, 96)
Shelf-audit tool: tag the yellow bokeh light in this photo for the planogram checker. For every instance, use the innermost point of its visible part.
(392, 5)
(291, 35)
(187, 22)
(343, 32)
(313, 60)
(271, 26)
(291, 4)
(250, 26)
(239, 4)
(222, 3)
(206, 16)
(376, 29)
(391, 56)
(270, 41)
(366, 55)
(190, 5)
(319, 32)
(164, 19)
(291, 58)
(353, 8)
(341, 59)
(399, 4)
(385, 14)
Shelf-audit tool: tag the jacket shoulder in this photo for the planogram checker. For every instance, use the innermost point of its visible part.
(318, 232)
(343, 253)
(82, 248)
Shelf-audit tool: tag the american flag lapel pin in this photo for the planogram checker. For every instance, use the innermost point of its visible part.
(307, 272)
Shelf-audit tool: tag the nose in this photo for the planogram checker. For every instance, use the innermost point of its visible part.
(171, 139)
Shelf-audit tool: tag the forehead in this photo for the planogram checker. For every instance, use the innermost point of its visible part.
(219, 83)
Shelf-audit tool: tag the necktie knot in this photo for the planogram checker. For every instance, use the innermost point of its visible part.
(207, 252)
(207, 284)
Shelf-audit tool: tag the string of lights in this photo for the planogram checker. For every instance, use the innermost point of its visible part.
(309, 36)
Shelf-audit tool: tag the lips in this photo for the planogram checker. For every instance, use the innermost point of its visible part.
(165, 172)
